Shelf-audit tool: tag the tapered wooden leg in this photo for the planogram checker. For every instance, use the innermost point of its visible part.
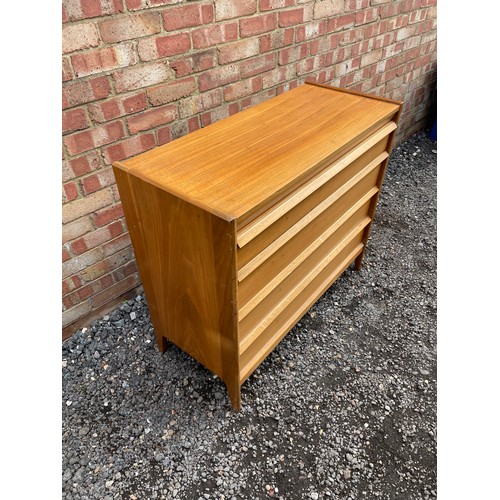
(359, 260)
(234, 391)
(163, 343)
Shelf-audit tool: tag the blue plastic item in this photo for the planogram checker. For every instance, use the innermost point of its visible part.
(433, 131)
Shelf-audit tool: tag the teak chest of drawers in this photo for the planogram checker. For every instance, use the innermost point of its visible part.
(238, 228)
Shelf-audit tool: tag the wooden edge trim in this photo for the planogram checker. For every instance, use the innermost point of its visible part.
(354, 92)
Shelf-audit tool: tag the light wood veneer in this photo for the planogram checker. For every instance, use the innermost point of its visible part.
(238, 228)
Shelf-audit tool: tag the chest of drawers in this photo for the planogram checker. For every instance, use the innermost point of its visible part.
(238, 228)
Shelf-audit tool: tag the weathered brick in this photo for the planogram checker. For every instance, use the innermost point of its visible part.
(188, 15)
(214, 35)
(200, 61)
(140, 77)
(371, 57)
(278, 75)
(129, 147)
(71, 315)
(229, 9)
(67, 72)
(171, 91)
(311, 30)
(130, 26)
(86, 205)
(115, 290)
(291, 17)
(107, 215)
(107, 265)
(259, 64)
(97, 181)
(242, 88)
(74, 119)
(338, 23)
(277, 39)
(356, 4)
(275, 4)
(70, 192)
(366, 16)
(214, 116)
(84, 9)
(107, 59)
(117, 107)
(79, 37)
(218, 76)
(164, 46)
(96, 137)
(257, 25)
(239, 50)
(328, 8)
(85, 164)
(293, 54)
(90, 240)
(199, 103)
(152, 118)
(116, 245)
(77, 93)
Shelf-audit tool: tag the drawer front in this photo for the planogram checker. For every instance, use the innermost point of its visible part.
(281, 207)
(298, 248)
(315, 282)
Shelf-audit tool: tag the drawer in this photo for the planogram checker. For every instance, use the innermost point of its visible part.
(306, 286)
(250, 230)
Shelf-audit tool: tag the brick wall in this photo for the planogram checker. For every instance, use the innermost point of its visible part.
(140, 73)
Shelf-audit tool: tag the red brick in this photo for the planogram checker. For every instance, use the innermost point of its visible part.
(115, 228)
(258, 24)
(91, 8)
(109, 58)
(77, 93)
(275, 4)
(328, 8)
(129, 27)
(74, 119)
(91, 183)
(356, 4)
(238, 50)
(65, 17)
(136, 4)
(163, 46)
(214, 35)
(242, 88)
(291, 17)
(67, 72)
(140, 77)
(96, 137)
(116, 244)
(106, 281)
(125, 271)
(214, 116)
(152, 118)
(366, 16)
(277, 39)
(84, 9)
(163, 135)
(129, 147)
(117, 107)
(229, 9)
(171, 91)
(258, 65)
(106, 215)
(218, 77)
(193, 124)
(200, 61)
(79, 37)
(311, 30)
(293, 54)
(188, 15)
(85, 164)
(338, 23)
(70, 192)
(389, 10)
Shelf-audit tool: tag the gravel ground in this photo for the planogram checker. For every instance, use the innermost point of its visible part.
(344, 407)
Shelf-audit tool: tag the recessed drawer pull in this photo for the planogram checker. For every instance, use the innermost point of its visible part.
(254, 228)
(273, 313)
(320, 208)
